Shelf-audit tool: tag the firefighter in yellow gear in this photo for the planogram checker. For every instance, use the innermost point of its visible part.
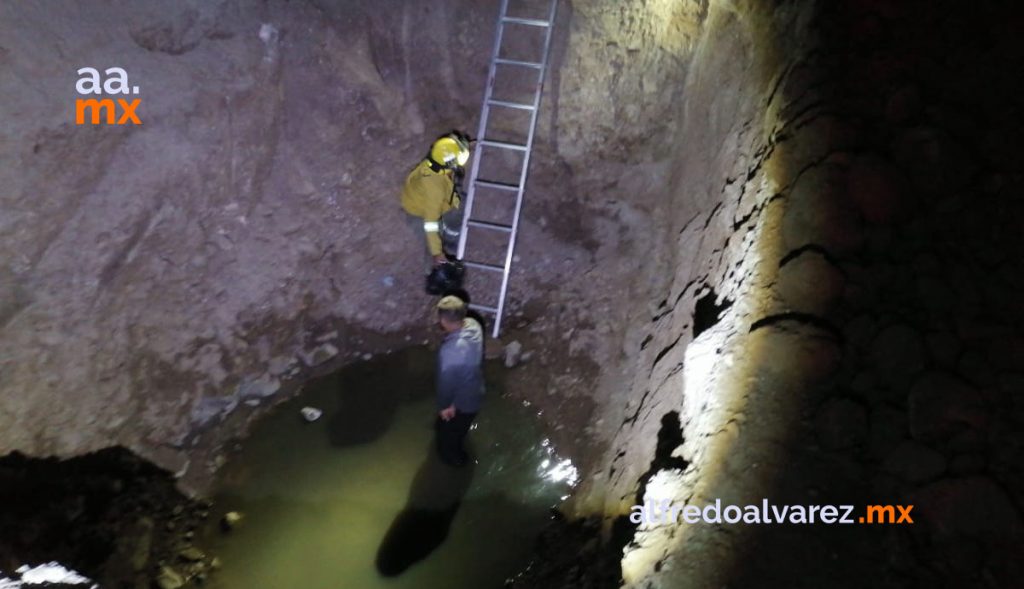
(430, 196)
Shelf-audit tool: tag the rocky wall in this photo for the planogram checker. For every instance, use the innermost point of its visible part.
(839, 324)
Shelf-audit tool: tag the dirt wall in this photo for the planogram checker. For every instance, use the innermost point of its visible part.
(157, 276)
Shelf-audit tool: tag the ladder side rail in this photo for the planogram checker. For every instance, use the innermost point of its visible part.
(539, 91)
(481, 129)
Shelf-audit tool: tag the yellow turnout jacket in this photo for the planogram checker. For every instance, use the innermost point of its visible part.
(429, 194)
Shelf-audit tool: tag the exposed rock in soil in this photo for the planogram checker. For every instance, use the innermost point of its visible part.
(108, 515)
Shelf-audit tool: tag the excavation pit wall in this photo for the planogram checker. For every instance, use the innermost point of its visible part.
(164, 283)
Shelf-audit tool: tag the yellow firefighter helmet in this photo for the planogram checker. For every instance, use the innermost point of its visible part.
(450, 151)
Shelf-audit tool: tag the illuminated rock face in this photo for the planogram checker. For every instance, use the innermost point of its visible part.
(863, 327)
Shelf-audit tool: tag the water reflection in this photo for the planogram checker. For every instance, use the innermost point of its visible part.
(359, 499)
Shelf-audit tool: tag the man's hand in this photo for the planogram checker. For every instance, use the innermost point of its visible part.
(440, 259)
(447, 413)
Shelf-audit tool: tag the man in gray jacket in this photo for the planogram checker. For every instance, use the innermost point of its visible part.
(460, 378)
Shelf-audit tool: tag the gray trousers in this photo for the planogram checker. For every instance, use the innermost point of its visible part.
(451, 223)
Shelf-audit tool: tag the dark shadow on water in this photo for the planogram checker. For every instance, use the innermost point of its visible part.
(369, 393)
(424, 522)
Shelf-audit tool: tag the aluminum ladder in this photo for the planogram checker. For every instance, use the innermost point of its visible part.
(507, 27)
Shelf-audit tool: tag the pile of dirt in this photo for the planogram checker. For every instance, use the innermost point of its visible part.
(109, 515)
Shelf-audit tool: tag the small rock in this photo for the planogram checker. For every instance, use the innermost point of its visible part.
(268, 33)
(513, 354)
(230, 520)
(169, 578)
(329, 336)
(319, 355)
(191, 554)
(260, 388)
(280, 365)
(311, 414)
(210, 409)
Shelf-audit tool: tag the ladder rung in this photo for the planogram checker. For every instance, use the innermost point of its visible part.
(483, 266)
(500, 185)
(489, 225)
(533, 22)
(502, 145)
(508, 104)
(532, 64)
(483, 308)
